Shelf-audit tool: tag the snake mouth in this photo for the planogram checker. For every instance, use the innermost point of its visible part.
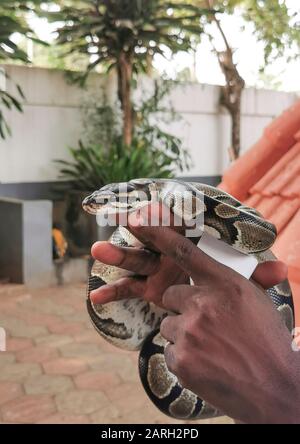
(97, 202)
(106, 201)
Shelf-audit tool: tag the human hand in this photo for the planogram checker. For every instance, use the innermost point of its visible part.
(227, 343)
(157, 272)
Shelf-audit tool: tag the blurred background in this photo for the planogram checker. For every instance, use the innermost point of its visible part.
(94, 92)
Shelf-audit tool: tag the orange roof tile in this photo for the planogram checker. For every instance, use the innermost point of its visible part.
(297, 135)
(275, 171)
(267, 177)
(277, 139)
(287, 247)
(284, 213)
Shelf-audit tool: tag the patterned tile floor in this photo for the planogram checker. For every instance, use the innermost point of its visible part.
(58, 370)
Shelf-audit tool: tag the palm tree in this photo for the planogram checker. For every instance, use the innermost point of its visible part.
(12, 21)
(125, 35)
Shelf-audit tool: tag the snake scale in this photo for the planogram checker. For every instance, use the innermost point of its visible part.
(133, 324)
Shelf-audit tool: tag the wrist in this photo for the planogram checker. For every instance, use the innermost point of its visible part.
(284, 403)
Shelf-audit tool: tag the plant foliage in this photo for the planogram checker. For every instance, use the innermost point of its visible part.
(105, 158)
(12, 21)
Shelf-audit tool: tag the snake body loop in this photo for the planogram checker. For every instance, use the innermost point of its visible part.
(133, 324)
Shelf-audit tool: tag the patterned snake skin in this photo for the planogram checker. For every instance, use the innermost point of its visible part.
(133, 324)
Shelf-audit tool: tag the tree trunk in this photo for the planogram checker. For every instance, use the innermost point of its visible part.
(124, 93)
(231, 98)
(235, 133)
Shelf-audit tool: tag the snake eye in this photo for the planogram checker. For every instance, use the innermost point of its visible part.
(141, 182)
(122, 188)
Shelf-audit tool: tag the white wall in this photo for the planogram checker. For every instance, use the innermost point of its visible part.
(52, 121)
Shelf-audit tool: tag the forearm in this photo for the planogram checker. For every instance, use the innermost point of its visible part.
(286, 406)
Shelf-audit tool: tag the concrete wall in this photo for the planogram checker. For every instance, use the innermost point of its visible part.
(26, 242)
(52, 121)
(26, 246)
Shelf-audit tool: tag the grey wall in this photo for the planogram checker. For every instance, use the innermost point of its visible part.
(52, 122)
(25, 241)
(31, 190)
(11, 240)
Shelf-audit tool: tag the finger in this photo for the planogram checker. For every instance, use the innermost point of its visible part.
(170, 356)
(176, 297)
(155, 214)
(139, 261)
(270, 273)
(184, 253)
(125, 288)
(169, 328)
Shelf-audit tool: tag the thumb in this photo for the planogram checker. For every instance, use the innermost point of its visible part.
(270, 273)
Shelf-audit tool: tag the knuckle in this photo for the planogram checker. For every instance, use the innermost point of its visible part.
(164, 326)
(201, 303)
(170, 360)
(183, 250)
(205, 309)
(149, 296)
(191, 328)
(237, 288)
(168, 293)
(121, 292)
(181, 362)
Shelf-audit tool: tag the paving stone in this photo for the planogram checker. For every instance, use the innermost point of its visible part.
(37, 354)
(88, 336)
(16, 344)
(64, 366)
(48, 306)
(11, 290)
(110, 361)
(60, 418)
(28, 409)
(19, 371)
(81, 402)
(19, 328)
(6, 358)
(110, 348)
(9, 391)
(97, 380)
(129, 373)
(44, 384)
(34, 318)
(107, 391)
(68, 328)
(105, 416)
(76, 350)
(128, 394)
(135, 400)
(81, 316)
(53, 340)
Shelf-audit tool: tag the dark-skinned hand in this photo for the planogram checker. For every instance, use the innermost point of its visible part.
(228, 344)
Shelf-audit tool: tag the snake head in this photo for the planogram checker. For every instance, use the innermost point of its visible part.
(120, 197)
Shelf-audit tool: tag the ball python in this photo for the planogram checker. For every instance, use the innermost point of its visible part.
(133, 324)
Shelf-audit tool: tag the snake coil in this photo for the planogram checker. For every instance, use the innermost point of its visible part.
(133, 324)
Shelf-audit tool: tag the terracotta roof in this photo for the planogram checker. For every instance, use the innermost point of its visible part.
(267, 177)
